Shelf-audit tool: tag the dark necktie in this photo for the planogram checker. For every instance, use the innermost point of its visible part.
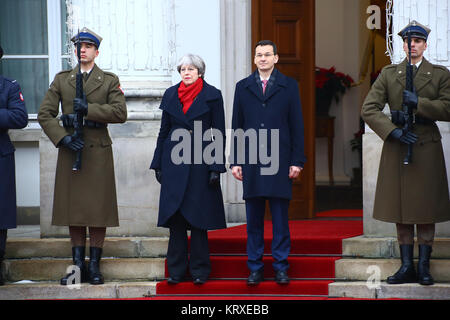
(415, 70)
(85, 76)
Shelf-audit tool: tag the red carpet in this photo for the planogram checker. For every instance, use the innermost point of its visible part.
(310, 274)
(340, 213)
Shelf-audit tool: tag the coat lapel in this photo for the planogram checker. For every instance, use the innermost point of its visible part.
(280, 81)
(173, 105)
(253, 86)
(423, 76)
(95, 80)
(199, 106)
(401, 73)
(73, 77)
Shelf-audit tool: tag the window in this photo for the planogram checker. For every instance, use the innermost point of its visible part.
(31, 34)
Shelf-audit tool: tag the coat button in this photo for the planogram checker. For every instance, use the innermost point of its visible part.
(262, 125)
(263, 104)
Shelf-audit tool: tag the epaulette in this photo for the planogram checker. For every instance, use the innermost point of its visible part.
(443, 68)
(10, 80)
(390, 66)
(64, 71)
(110, 74)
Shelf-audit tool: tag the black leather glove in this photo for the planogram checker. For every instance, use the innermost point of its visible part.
(80, 105)
(158, 175)
(214, 179)
(410, 99)
(67, 119)
(71, 143)
(407, 138)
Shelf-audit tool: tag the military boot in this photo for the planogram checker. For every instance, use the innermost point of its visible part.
(78, 256)
(407, 272)
(95, 276)
(423, 267)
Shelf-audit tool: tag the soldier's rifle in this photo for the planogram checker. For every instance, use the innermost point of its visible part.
(78, 121)
(408, 111)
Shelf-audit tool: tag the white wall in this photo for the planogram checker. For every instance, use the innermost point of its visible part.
(434, 14)
(198, 32)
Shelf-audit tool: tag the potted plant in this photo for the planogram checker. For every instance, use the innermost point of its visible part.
(329, 84)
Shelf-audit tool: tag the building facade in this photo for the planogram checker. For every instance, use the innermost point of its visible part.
(142, 41)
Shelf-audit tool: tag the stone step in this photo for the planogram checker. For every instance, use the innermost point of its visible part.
(360, 289)
(387, 247)
(130, 247)
(53, 290)
(50, 269)
(362, 269)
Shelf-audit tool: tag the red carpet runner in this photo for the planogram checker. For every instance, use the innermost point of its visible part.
(315, 246)
(340, 213)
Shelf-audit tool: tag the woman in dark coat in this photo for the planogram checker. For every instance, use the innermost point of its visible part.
(188, 160)
(13, 115)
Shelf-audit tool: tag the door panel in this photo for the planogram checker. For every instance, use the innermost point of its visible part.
(290, 24)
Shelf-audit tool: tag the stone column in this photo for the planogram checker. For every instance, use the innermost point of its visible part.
(236, 65)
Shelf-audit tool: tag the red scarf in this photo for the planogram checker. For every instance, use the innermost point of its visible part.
(188, 94)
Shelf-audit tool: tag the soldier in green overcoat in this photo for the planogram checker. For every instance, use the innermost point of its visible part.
(417, 193)
(87, 197)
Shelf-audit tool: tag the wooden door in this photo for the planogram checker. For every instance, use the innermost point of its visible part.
(290, 24)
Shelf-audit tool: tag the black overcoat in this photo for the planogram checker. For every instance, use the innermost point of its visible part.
(184, 186)
(13, 115)
(279, 108)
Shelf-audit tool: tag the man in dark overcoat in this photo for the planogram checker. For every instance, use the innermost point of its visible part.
(267, 105)
(87, 197)
(416, 193)
(13, 115)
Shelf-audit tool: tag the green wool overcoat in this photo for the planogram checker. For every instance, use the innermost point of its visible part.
(416, 193)
(86, 197)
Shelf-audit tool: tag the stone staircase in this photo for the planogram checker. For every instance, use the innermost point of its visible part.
(131, 267)
(366, 259)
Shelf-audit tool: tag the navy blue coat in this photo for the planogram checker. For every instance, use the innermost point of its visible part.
(13, 115)
(279, 108)
(185, 186)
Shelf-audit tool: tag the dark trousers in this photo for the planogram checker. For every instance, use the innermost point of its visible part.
(178, 258)
(281, 242)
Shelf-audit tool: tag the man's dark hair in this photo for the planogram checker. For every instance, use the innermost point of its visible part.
(1, 52)
(267, 43)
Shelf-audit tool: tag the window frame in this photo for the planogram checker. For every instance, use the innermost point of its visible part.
(54, 54)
